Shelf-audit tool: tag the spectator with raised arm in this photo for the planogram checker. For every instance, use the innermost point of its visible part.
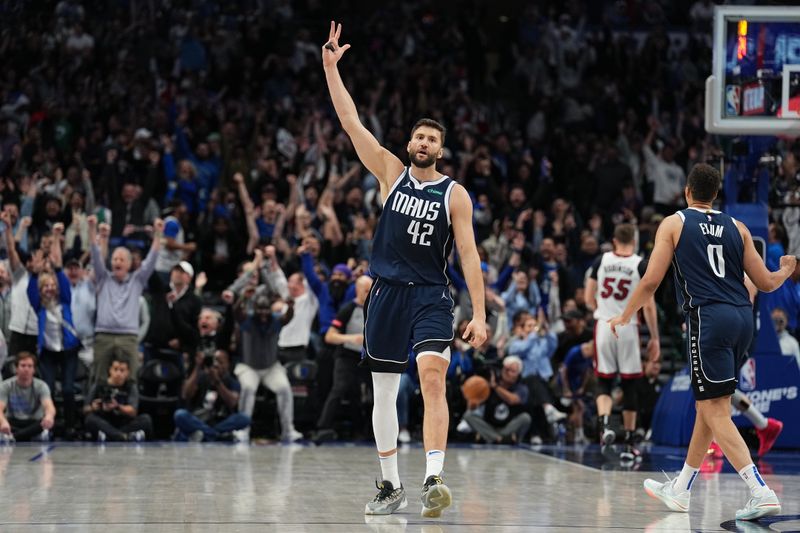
(118, 293)
(535, 345)
(260, 323)
(84, 307)
(24, 323)
(175, 247)
(58, 343)
(174, 310)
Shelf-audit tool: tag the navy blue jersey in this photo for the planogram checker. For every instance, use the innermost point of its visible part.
(414, 235)
(708, 260)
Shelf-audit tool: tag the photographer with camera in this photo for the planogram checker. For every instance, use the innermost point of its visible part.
(504, 415)
(211, 393)
(111, 413)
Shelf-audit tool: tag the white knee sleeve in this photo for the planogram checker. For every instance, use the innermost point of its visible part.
(384, 412)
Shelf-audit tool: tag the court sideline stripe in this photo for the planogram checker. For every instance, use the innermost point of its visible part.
(565, 461)
(42, 454)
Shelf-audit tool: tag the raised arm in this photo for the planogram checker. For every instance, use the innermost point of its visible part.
(56, 255)
(273, 274)
(757, 271)
(249, 212)
(13, 256)
(98, 261)
(378, 160)
(149, 263)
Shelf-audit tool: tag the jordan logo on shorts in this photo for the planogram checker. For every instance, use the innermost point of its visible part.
(444, 294)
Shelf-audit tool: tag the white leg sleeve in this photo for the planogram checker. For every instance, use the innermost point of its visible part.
(384, 412)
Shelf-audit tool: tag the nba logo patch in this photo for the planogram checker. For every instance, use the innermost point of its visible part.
(747, 376)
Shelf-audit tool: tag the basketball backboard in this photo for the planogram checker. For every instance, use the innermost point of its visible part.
(754, 87)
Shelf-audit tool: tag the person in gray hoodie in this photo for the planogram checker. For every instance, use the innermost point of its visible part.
(261, 316)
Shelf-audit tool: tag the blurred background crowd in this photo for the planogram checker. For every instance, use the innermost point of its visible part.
(187, 228)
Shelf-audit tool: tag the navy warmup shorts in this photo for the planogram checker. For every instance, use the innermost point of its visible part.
(718, 337)
(403, 318)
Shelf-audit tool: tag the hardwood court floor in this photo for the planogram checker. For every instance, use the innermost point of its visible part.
(229, 488)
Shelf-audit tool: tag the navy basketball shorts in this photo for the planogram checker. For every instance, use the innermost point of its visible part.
(718, 337)
(399, 319)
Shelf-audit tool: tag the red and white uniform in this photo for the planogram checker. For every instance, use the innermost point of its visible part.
(617, 276)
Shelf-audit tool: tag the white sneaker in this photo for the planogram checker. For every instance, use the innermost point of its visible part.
(608, 437)
(197, 436)
(536, 440)
(137, 436)
(101, 436)
(765, 505)
(242, 435)
(388, 500)
(554, 415)
(581, 441)
(464, 427)
(7, 438)
(44, 436)
(292, 436)
(676, 501)
(404, 437)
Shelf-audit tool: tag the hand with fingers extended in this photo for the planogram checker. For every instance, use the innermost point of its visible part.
(331, 51)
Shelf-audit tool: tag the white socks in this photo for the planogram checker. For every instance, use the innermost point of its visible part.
(389, 469)
(753, 479)
(434, 463)
(751, 413)
(686, 478)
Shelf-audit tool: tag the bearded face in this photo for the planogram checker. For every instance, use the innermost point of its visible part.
(425, 147)
(421, 158)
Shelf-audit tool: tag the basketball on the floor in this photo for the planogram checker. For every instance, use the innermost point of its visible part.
(476, 390)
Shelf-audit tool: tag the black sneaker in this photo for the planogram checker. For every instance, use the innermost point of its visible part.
(324, 435)
(630, 455)
(225, 437)
(388, 499)
(435, 497)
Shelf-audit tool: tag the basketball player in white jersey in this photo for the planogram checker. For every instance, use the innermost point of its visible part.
(613, 278)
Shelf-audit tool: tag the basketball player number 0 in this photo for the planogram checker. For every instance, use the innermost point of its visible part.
(716, 260)
(416, 236)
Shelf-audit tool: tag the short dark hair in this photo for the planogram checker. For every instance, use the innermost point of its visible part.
(625, 233)
(119, 360)
(520, 317)
(429, 122)
(703, 182)
(21, 356)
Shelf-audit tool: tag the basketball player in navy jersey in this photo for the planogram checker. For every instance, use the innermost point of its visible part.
(409, 305)
(710, 253)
